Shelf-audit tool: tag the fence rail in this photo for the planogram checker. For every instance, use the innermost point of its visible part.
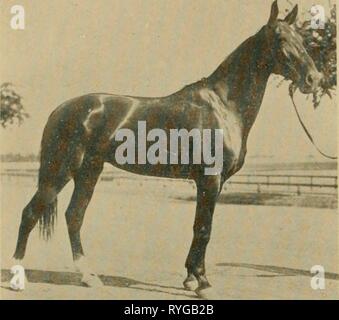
(291, 183)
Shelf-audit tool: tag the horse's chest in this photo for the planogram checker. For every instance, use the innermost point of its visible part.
(230, 121)
(231, 125)
(233, 142)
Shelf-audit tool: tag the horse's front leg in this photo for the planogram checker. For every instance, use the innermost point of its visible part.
(84, 184)
(208, 189)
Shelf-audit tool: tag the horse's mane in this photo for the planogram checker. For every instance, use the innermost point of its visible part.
(242, 56)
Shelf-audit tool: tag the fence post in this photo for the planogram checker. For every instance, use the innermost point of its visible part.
(258, 188)
(298, 190)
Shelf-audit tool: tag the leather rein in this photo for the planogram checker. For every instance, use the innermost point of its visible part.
(291, 93)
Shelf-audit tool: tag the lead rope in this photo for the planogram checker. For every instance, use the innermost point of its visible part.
(291, 92)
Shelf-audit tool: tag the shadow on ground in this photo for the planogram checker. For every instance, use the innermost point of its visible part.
(74, 279)
(275, 199)
(278, 271)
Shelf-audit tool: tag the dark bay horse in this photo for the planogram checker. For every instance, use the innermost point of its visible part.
(79, 136)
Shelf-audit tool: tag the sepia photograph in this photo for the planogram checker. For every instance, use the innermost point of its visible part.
(168, 150)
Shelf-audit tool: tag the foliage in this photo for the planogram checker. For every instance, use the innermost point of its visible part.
(11, 106)
(321, 45)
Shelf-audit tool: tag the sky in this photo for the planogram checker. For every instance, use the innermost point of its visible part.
(145, 48)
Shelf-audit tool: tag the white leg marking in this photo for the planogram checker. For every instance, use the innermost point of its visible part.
(89, 277)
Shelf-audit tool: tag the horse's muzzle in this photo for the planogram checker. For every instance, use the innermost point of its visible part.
(310, 82)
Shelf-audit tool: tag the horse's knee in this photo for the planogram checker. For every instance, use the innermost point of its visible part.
(211, 194)
(202, 233)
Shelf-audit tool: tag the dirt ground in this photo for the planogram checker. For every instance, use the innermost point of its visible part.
(136, 236)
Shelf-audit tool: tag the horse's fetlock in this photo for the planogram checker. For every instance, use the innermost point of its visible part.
(198, 271)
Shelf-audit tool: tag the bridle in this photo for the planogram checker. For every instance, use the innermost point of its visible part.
(292, 90)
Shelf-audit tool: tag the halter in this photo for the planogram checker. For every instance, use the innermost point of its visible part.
(291, 93)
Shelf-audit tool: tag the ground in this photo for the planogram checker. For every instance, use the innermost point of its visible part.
(137, 234)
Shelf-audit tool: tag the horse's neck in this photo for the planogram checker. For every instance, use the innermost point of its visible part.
(242, 78)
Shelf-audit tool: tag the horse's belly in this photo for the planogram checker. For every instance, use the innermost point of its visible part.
(158, 170)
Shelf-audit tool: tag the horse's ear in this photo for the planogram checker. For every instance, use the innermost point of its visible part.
(290, 18)
(274, 12)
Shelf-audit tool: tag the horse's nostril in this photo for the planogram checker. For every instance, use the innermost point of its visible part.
(309, 80)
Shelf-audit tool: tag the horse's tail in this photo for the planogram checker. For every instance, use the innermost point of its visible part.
(48, 219)
(48, 180)
(60, 140)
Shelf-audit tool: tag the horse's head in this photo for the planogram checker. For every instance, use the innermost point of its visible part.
(290, 58)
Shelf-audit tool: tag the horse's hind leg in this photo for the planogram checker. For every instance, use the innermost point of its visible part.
(44, 199)
(84, 183)
(208, 189)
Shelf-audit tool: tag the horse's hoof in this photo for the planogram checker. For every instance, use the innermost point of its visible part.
(206, 293)
(92, 281)
(190, 285)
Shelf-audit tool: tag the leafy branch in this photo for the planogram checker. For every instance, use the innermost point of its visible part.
(11, 108)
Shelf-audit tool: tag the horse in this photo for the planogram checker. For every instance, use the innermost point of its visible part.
(79, 137)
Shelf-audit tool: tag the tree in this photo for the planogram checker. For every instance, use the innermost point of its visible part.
(321, 45)
(11, 106)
